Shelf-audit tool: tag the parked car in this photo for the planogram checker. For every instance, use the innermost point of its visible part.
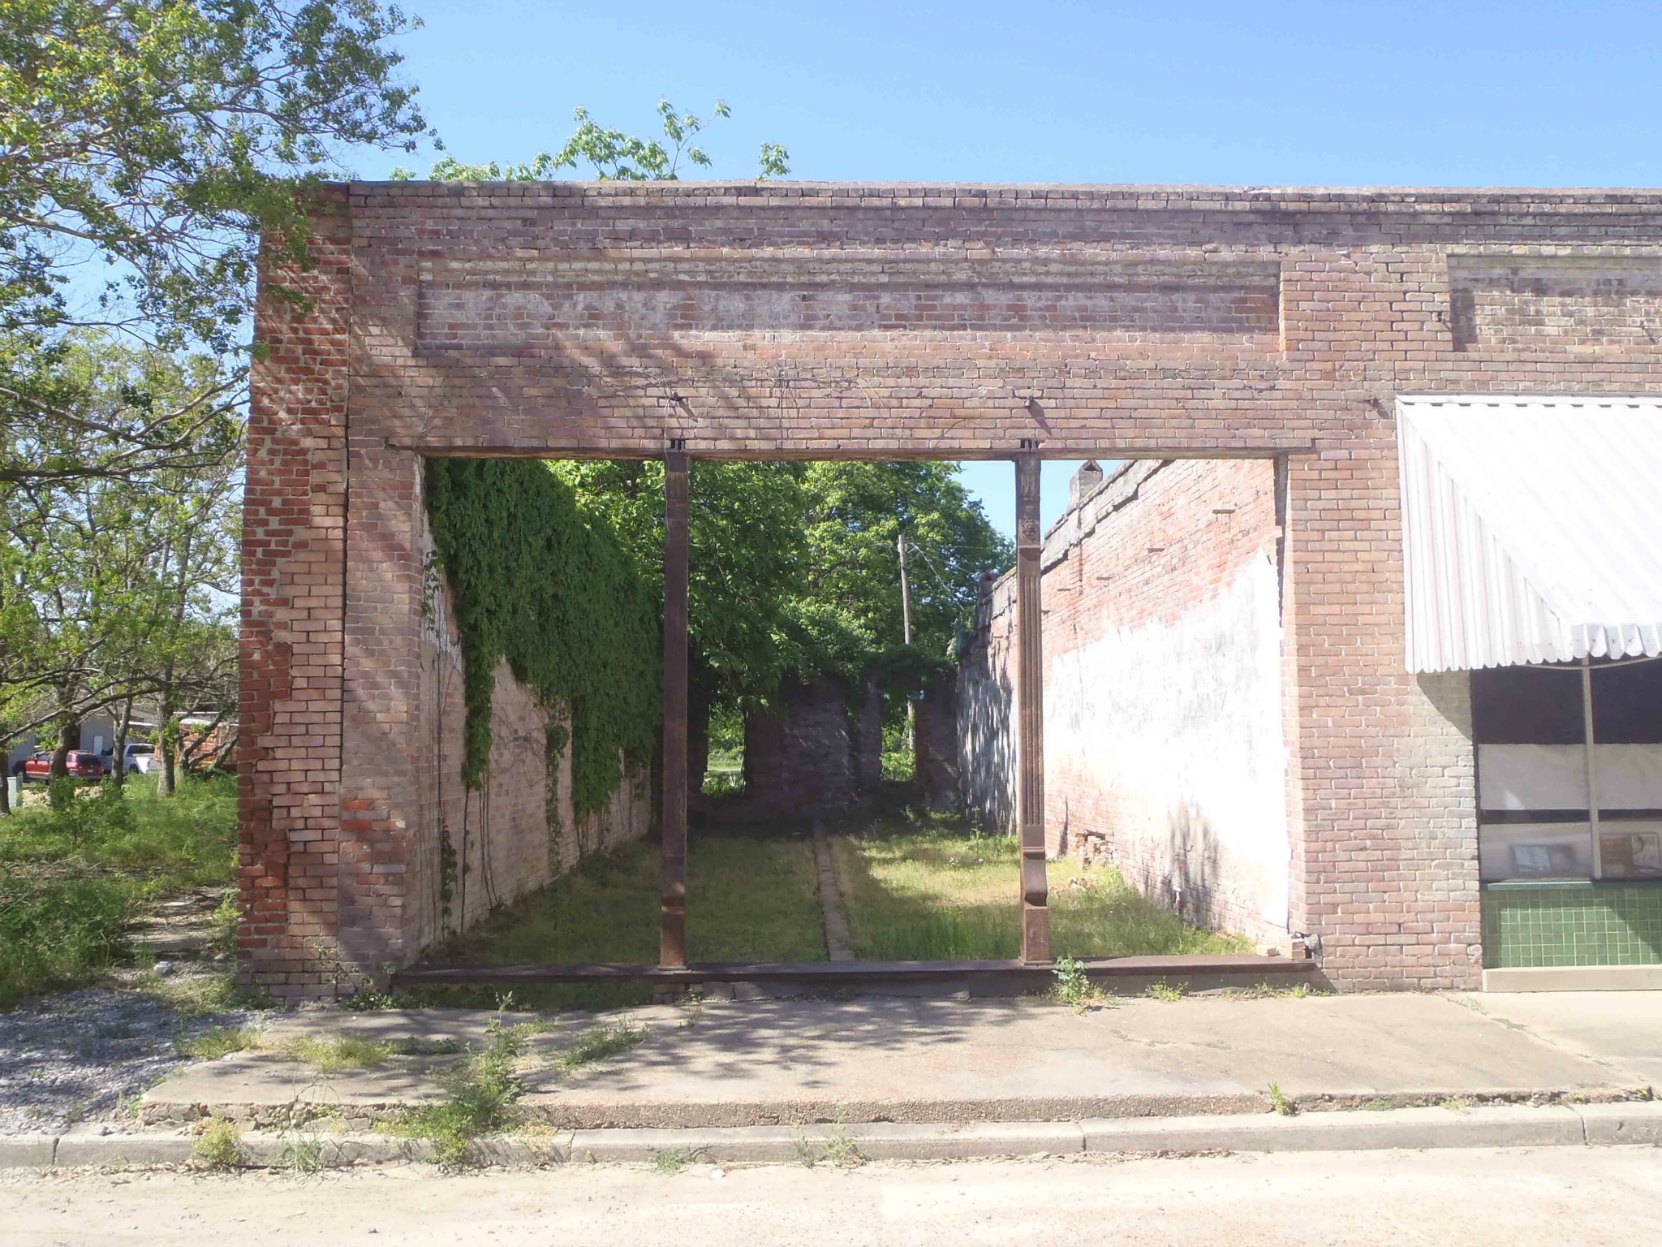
(79, 764)
(138, 758)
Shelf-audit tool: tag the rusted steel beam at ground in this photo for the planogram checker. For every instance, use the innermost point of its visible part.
(1030, 715)
(672, 928)
(835, 975)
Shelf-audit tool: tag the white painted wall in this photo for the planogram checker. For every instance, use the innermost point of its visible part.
(1179, 725)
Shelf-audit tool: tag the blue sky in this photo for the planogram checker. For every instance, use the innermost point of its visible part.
(1340, 93)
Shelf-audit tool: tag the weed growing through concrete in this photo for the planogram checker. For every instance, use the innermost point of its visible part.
(304, 1155)
(673, 1159)
(839, 1149)
(1454, 1104)
(482, 1097)
(368, 1000)
(1272, 991)
(692, 1010)
(219, 1146)
(1280, 1103)
(219, 1041)
(1167, 991)
(1074, 988)
(602, 1043)
(331, 1054)
(842, 1151)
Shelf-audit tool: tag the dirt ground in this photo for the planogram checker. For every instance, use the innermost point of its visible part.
(1589, 1196)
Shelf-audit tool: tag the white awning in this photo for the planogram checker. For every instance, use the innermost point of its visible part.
(1531, 528)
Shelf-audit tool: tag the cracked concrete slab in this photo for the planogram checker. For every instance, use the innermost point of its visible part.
(886, 1059)
(1621, 1030)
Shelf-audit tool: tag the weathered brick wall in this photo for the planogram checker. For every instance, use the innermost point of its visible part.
(801, 758)
(782, 319)
(291, 646)
(936, 763)
(1163, 690)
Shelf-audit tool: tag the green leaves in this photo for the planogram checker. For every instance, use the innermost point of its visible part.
(537, 583)
(118, 569)
(613, 155)
(159, 138)
(145, 146)
(745, 534)
(855, 512)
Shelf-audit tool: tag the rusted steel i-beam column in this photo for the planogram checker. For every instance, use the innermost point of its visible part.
(1030, 715)
(672, 921)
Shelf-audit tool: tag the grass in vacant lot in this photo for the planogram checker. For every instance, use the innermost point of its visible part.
(72, 879)
(939, 894)
(750, 897)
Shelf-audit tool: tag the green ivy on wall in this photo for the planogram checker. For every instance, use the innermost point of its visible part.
(533, 583)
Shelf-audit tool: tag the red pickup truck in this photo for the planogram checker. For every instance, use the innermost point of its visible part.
(80, 764)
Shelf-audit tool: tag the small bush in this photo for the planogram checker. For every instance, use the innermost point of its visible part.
(219, 1145)
(58, 933)
(1074, 987)
(1280, 1102)
(226, 916)
(899, 767)
(723, 784)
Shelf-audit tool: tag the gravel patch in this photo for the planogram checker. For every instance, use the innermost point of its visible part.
(82, 1056)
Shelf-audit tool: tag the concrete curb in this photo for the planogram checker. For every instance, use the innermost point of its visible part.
(1554, 1125)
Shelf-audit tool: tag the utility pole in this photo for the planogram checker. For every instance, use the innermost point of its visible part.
(906, 635)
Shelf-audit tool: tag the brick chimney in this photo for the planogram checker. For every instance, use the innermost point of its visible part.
(1084, 481)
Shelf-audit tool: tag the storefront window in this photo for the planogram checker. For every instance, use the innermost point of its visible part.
(1536, 818)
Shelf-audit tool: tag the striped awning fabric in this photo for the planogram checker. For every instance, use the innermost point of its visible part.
(1532, 528)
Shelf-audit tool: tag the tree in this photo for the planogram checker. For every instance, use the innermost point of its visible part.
(155, 142)
(118, 587)
(854, 515)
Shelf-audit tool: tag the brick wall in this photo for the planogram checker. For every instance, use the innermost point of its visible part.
(946, 321)
(936, 774)
(1163, 690)
(812, 753)
(291, 646)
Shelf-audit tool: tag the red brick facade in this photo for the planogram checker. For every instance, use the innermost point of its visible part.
(951, 322)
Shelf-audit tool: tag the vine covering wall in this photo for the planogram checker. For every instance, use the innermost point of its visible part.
(559, 600)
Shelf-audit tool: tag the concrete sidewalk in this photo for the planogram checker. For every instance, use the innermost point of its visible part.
(908, 1060)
